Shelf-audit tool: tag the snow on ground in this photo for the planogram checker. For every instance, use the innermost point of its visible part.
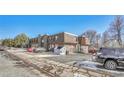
(99, 67)
(46, 55)
(86, 64)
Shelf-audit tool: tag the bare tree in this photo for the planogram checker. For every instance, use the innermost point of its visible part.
(105, 39)
(91, 35)
(98, 40)
(116, 29)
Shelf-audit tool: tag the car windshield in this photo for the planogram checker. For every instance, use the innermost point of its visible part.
(59, 47)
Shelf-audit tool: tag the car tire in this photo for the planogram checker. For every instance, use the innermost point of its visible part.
(110, 64)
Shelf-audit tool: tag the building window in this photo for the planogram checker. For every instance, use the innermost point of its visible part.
(76, 39)
(52, 37)
(33, 41)
(42, 41)
(49, 38)
(56, 37)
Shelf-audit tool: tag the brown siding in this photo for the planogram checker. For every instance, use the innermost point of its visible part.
(56, 38)
(70, 39)
(83, 41)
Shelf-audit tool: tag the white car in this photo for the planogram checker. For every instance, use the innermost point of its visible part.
(60, 50)
(39, 50)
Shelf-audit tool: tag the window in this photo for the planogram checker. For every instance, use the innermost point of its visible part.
(59, 47)
(56, 37)
(52, 37)
(76, 39)
(42, 41)
(108, 51)
(121, 51)
(33, 41)
(49, 38)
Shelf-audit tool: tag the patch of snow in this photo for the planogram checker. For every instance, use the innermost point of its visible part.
(70, 34)
(46, 55)
(87, 64)
(94, 66)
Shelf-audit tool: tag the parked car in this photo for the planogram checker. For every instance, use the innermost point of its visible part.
(1, 48)
(30, 49)
(38, 50)
(60, 50)
(111, 58)
(51, 49)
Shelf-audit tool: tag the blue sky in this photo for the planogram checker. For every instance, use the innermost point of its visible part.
(33, 25)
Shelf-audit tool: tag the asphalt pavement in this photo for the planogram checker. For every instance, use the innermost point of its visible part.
(15, 68)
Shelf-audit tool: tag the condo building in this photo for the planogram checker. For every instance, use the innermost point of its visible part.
(72, 42)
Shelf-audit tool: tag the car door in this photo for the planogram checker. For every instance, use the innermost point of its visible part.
(121, 54)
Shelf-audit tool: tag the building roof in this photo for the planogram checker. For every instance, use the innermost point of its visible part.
(71, 34)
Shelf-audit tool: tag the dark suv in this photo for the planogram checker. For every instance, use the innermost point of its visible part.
(110, 57)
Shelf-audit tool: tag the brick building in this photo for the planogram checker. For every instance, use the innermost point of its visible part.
(40, 41)
(65, 39)
(83, 44)
(72, 42)
(33, 42)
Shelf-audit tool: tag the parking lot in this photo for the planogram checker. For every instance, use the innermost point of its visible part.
(70, 58)
(16, 68)
(77, 59)
(84, 61)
